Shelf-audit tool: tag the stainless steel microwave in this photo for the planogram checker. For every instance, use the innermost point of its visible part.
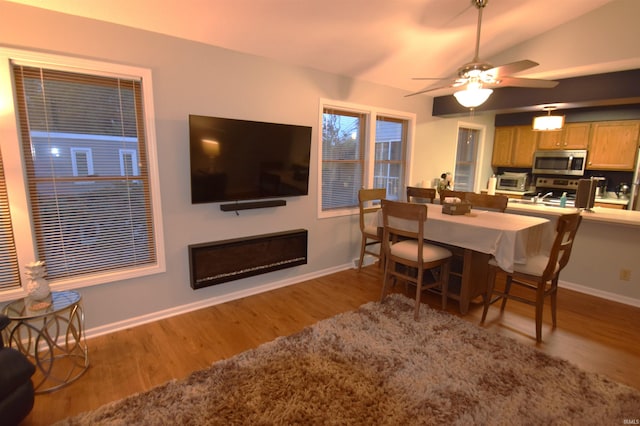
(561, 162)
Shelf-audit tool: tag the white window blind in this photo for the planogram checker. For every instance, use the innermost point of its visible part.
(343, 144)
(390, 154)
(96, 219)
(466, 158)
(9, 272)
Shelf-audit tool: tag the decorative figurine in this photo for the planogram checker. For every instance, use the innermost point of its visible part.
(38, 286)
(445, 182)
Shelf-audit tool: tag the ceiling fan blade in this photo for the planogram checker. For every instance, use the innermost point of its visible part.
(525, 82)
(511, 68)
(428, 89)
(430, 78)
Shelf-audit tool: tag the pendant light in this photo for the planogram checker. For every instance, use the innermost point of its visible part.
(548, 122)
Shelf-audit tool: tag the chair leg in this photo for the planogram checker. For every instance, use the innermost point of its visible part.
(385, 280)
(554, 300)
(539, 310)
(381, 259)
(491, 282)
(444, 283)
(363, 246)
(507, 289)
(418, 294)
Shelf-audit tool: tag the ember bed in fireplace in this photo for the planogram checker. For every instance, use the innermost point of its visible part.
(228, 260)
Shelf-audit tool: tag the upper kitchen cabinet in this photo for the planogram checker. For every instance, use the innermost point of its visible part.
(613, 145)
(572, 136)
(513, 146)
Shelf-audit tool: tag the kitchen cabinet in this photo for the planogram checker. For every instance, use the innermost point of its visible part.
(572, 136)
(613, 145)
(513, 146)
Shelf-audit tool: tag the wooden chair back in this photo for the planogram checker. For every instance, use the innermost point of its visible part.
(487, 202)
(369, 201)
(450, 193)
(566, 230)
(416, 194)
(415, 213)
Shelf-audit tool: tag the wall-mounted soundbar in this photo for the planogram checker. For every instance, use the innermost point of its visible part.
(252, 205)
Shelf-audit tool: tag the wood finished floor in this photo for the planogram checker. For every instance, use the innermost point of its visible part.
(595, 334)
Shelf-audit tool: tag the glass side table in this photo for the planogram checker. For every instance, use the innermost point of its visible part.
(50, 332)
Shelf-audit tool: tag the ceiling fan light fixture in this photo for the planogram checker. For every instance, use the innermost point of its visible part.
(547, 123)
(472, 97)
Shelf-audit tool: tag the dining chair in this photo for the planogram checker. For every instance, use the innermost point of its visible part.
(538, 275)
(451, 193)
(369, 202)
(487, 202)
(415, 193)
(403, 244)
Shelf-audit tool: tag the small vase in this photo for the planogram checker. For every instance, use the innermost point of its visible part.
(38, 286)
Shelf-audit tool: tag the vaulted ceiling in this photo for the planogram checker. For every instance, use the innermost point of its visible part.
(382, 41)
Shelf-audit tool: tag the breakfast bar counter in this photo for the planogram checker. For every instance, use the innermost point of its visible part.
(605, 260)
(598, 214)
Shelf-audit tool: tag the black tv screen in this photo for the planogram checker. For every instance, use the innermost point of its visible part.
(236, 160)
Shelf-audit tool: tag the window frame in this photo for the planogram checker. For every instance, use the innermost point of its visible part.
(14, 163)
(482, 129)
(122, 153)
(74, 159)
(372, 113)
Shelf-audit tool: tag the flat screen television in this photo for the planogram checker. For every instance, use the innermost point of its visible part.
(240, 160)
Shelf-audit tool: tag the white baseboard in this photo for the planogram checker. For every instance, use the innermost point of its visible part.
(600, 293)
(178, 310)
(366, 261)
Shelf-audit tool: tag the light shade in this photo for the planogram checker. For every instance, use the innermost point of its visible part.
(472, 96)
(548, 122)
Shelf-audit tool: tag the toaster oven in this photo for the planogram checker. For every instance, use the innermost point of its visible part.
(513, 181)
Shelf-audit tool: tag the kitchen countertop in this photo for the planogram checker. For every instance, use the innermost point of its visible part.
(599, 214)
(507, 193)
(610, 199)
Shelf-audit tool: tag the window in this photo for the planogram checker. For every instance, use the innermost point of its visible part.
(83, 129)
(81, 161)
(128, 162)
(468, 148)
(391, 137)
(360, 148)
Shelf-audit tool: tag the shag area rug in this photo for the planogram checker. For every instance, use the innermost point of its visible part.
(377, 366)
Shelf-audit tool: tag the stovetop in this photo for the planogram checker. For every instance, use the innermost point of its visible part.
(557, 186)
(567, 185)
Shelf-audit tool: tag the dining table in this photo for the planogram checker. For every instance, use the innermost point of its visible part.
(477, 236)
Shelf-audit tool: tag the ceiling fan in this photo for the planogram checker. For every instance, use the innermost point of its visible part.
(479, 77)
